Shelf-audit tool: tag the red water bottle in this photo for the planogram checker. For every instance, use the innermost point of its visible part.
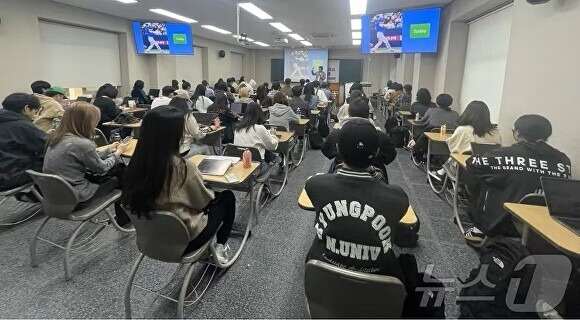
(247, 159)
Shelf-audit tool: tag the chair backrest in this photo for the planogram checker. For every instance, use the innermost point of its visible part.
(333, 292)
(231, 150)
(205, 118)
(278, 128)
(100, 139)
(163, 237)
(448, 131)
(58, 197)
(534, 199)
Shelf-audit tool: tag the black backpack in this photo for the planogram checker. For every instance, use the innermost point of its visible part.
(500, 255)
(399, 136)
(323, 129)
(391, 123)
(417, 287)
(316, 140)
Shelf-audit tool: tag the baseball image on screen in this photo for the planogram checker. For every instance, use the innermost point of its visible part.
(155, 37)
(386, 32)
(305, 63)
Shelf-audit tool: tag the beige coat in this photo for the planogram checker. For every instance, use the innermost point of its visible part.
(49, 109)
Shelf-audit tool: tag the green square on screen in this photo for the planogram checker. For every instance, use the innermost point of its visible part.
(179, 38)
(422, 30)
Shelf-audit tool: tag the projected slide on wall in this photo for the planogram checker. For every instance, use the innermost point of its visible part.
(407, 31)
(163, 38)
(301, 63)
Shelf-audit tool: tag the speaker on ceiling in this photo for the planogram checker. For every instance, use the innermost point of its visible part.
(534, 2)
(222, 54)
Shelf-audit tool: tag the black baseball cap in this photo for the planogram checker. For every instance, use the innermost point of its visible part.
(358, 142)
(533, 127)
(167, 90)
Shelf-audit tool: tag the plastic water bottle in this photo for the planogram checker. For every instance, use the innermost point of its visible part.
(246, 159)
(417, 117)
(298, 112)
(443, 129)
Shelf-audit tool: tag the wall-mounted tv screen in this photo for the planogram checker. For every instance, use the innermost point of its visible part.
(402, 31)
(163, 38)
(302, 63)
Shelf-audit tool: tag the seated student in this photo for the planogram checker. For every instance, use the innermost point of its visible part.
(192, 131)
(343, 111)
(159, 179)
(356, 213)
(309, 95)
(167, 93)
(434, 118)
(508, 174)
(251, 133)
(50, 105)
(403, 102)
(200, 99)
(175, 84)
(275, 89)
(388, 89)
(302, 84)
(396, 91)
(208, 90)
(71, 154)
(262, 97)
(21, 142)
(281, 114)
(422, 103)
(244, 95)
(187, 87)
(298, 104)
(227, 117)
(321, 95)
(109, 111)
(287, 88)
(222, 87)
(324, 87)
(359, 111)
(139, 94)
(474, 126)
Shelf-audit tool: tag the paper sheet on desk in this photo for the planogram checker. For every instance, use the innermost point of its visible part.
(234, 160)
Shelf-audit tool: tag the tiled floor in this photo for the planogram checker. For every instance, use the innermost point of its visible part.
(266, 282)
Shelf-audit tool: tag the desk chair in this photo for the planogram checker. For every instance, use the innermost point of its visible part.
(59, 202)
(100, 139)
(333, 292)
(266, 189)
(21, 207)
(301, 131)
(164, 237)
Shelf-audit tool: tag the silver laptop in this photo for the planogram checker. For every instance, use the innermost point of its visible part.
(563, 201)
(214, 167)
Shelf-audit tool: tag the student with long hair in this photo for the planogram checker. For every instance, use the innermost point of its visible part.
(175, 84)
(106, 104)
(310, 96)
(72, 155)
(280, 113)
(262, 97)
(251, 133)
(221, 106)
(192, 131)
(343, 111)
(474, 126)
(200, 100)
(138, 93)
(422, 102)
(159, 179)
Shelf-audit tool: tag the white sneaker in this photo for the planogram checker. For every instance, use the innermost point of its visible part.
(222, 253)
(473, 234)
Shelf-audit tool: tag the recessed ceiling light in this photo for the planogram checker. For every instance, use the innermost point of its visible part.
(356, 42)
(249, 39)
(175, 16)
(261, 44)
(356, 35)
(253, 9)
(358, 7)
(216, 29)
(306, 43)
(355, 24)
(296, 37)
(280, 26)
(128, 1)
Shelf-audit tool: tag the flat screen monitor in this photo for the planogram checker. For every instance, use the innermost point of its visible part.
(402, 31)
(304, 63)
(163, 38)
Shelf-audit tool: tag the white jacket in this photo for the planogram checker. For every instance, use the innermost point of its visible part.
(256, 137)
(460, 141)
(191, 133)
(202, 103)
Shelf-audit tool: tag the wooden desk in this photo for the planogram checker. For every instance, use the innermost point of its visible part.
(128, 152)
(461, 159)
(438, 137)
(284, 136)
(135, 125)
(337, 126)
(406, 113)
(303, 122)
(315, 112)
(538, 219)
(410, 218)
(237, 169)
(129, 110)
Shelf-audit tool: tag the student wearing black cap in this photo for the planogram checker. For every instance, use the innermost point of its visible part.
(508, 174)
(167, 93)
(356, 213)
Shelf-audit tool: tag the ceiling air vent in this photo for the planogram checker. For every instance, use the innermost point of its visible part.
(321, 36)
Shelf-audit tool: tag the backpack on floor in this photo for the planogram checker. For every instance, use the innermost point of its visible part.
(391, 123)
(399, 136)
(316, 140)
(406, 237)
(500, 255)
(419, 284)
(323, 129)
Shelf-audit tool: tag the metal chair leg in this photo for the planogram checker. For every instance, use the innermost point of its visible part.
(67, 273)
(115, 224)
(184, 286)
(33, 262)
(129, 286)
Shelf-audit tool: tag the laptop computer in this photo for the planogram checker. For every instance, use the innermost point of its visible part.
(239, 107)
(214, 167)
(84, 99)
(563, 201)
(204, 118)
(481, 149)
(154, 92)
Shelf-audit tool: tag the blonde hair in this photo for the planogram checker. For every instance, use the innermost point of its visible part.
(80, 119)
(244, 92)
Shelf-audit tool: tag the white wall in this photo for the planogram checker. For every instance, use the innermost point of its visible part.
(543, 72)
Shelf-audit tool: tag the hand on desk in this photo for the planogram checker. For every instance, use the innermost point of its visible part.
(120, 148)
(113, 147)
(215, 127)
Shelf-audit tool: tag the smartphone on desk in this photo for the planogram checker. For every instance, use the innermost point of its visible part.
(127, 140)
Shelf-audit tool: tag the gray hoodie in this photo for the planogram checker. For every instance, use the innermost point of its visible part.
(282, 115)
